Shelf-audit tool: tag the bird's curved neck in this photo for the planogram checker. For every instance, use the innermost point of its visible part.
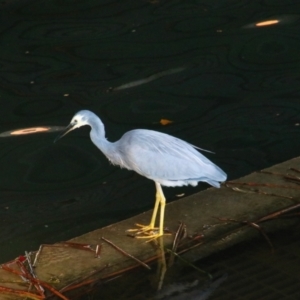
(97, 135)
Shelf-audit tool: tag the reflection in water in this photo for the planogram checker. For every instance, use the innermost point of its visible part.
(31, 130)
(191, 290)
(267, 23)
(280, 20)
(148, 79)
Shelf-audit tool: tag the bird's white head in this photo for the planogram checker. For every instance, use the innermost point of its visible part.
(81, 118)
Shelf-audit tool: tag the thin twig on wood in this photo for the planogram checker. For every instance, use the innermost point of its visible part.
(125, 253)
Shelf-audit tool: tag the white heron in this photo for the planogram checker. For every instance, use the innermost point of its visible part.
(165, 159)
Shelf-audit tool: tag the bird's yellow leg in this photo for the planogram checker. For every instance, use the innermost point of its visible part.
(151, 226)
(156, 205)
(162, 201)
(162, 211)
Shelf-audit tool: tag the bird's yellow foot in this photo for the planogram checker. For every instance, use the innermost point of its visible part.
(149, 237)
(143, 229)
(146, 232)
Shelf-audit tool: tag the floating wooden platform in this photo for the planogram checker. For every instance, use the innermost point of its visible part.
(211, 220)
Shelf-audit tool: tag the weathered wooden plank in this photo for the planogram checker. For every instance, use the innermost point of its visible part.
(62, 265)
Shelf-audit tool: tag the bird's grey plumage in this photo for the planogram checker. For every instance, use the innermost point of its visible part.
(158, 156)
(167, 160)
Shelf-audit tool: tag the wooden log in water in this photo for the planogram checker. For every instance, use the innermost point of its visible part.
(214, 219)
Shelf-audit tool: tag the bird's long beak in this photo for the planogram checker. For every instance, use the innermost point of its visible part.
(69, 128)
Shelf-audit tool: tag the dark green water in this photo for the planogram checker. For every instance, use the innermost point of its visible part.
(246, 271)
(226, 84)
